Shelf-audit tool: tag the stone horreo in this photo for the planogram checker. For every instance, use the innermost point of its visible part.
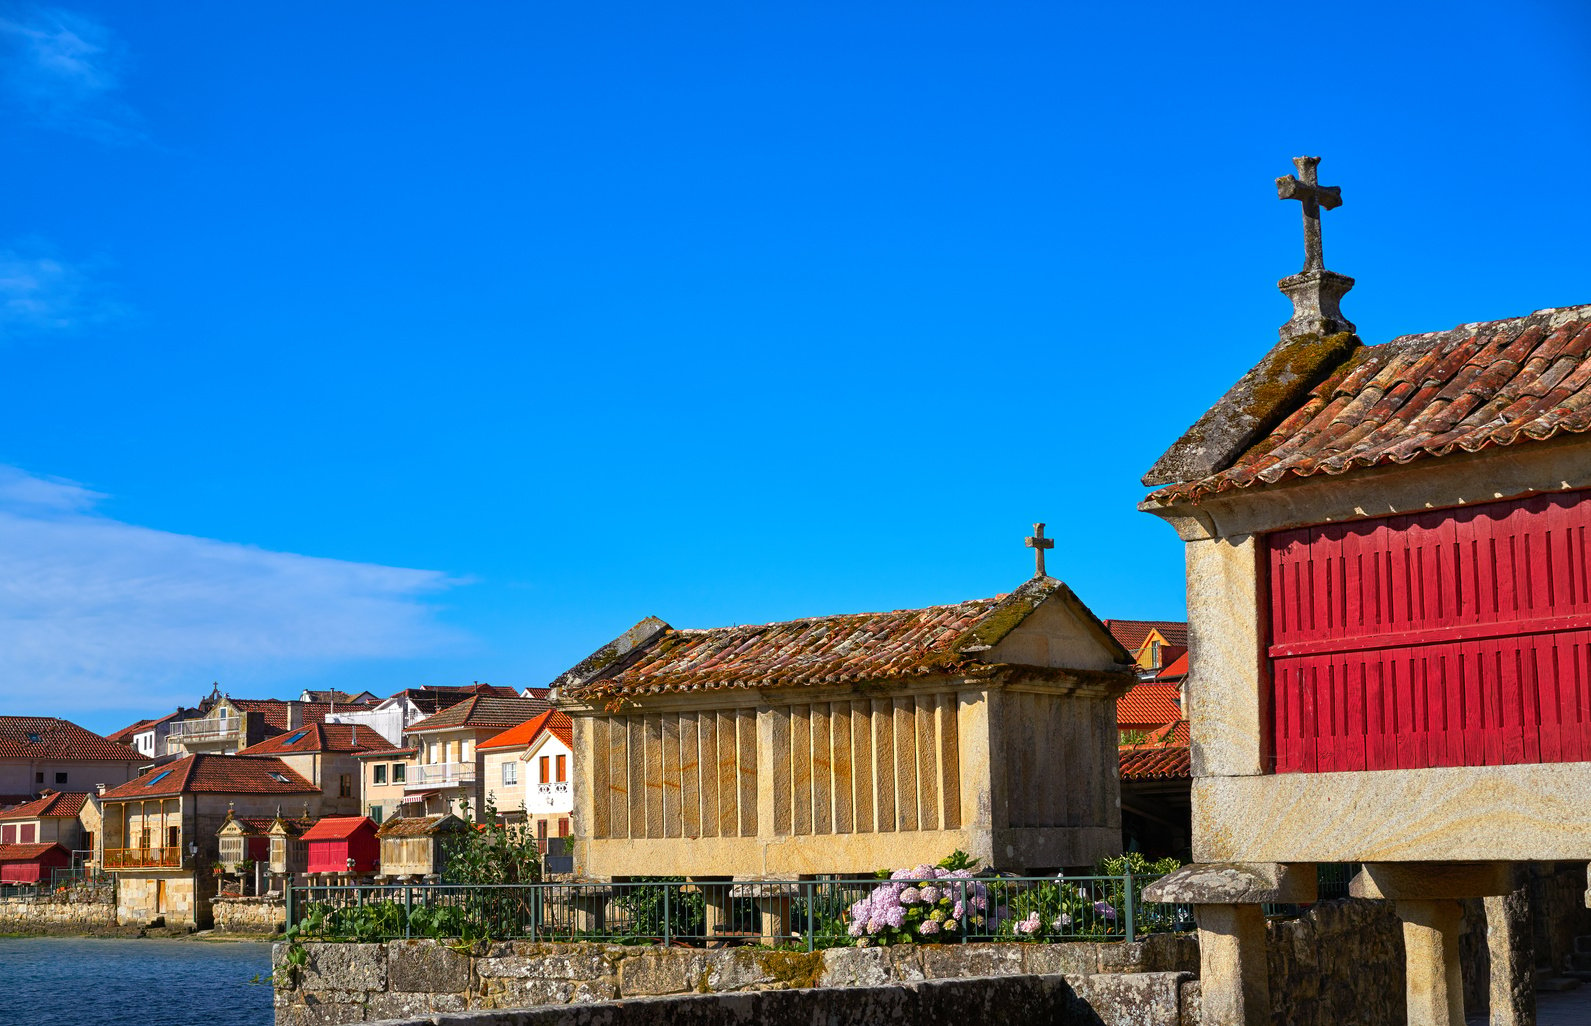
(839, 744)
(1389, 592)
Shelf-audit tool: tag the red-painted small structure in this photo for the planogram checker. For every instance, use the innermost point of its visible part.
(331, 842)
(31, 863)
(1458, 637)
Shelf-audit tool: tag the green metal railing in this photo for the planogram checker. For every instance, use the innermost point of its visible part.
(808, 913)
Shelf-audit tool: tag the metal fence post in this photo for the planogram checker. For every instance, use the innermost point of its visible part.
(408, 909)
(812, 897)
(666, 889)
(287, 888)
(1132, 933)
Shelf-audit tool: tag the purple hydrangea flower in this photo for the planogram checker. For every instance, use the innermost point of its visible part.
(1104, 911)
(911, 896)
(927, 926)
(1030, 925)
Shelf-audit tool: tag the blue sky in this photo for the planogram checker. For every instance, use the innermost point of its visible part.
(372, 345)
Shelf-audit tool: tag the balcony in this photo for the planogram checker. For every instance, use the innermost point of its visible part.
(204, 730)
(561, 787)
(143, 858)
(441, 774)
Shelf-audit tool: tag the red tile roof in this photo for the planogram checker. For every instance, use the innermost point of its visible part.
(25, 852)
(125, 735)
(481, 711)
(216, 774)
(421, 826)
(844, 649)
(1149, 705)
(1176, 671)
(46, 737)
(1475, 387)
(63, 804)
(338, 828)
(552, 721)
(322, 737)
(252, 825)
(277, 712)
(1155, 762)
(1133, 633)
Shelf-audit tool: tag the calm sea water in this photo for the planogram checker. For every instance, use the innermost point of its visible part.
(68, 982)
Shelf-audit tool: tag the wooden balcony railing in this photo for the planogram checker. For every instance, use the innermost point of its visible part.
(143, 858)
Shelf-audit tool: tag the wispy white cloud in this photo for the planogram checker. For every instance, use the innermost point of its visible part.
(42, 296)
(100, 614)
(62, 69)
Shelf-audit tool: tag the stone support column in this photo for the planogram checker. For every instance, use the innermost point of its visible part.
(1512, 949)
(718, 907)
(775, 902)
(1428, 898)
(1430, 943)
(1234, 973)
(590, 905)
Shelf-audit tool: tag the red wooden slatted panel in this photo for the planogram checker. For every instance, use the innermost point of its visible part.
(1444, 638)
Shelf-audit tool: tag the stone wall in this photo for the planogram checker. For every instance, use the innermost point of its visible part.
(1013, 1000)
(257, 916)
(368, 982)
(80, 910)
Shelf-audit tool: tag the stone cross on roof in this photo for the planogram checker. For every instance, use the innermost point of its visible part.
(1308, 191)
(1038, 543)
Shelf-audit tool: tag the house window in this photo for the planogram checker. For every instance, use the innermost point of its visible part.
(510, 773)
(174, 838)
(8, 834)
(375, 813)
(60, 778)
(378, 773)
(542, 765)
(563, 768)
(345, 786)
(541, 833)
(30, 833)
(397, 772)
(563, 826)
(38, 778)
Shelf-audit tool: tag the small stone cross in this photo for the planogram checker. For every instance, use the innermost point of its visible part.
(1313, 196)
(1038, 543)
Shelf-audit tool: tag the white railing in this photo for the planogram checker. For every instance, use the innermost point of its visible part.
(441, 774)
(562, 787)
(204, 730)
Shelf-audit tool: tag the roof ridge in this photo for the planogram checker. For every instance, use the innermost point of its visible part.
(837, 616)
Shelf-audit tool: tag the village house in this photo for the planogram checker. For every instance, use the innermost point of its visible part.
(40, 752)
(1389, 590)
(57, 817)
(148, 737)
(228, 725)
(1154, 644)
(327, 755)
(840, 744)
(27, 864)
(391, 717)
(162, 829)
(384, 776)
(335, 697)
(447, 773)
(528, 770)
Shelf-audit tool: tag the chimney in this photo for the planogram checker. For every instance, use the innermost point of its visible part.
(295, 715)
(99, 788)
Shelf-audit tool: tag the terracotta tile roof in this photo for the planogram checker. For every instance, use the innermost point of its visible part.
(337, 828)
(481, 711)
(1133, 633)
(552, 721)
(252, 825)
(1149, 704)
(1475, 387)
(322, 737)
(216, 774)
(25, 852)
(844, 649)
(388, 752)
(63, 804)
(277, 712)
(420, 826)
(295, 826)
(1156, 762)
(1176, 671)
(46, 737)
(125, 735)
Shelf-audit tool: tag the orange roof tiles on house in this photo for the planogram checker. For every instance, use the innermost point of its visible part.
(216, 774)
(843, 649)
(278, 713)
(61, 804)
(481, 711)
(337, 828)
(26, 852)
(1475, 387)
(1176, 671)
(1149, 704)
(552, 721)
(1133, 633)
(47, 737)
(1160, 762)
(322, 737)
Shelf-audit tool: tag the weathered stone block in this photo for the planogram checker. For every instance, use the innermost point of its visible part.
(740, 970)
(548, 964)
(352, 967)
(1132, 999)
(426, 966)
(952, 961)
(1060, 959)
(412, 1006)
(667, 971)
(855, 967)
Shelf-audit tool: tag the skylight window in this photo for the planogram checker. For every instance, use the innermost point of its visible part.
(296, 737)
(34, 737)
(278, 777)
(162, 775)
